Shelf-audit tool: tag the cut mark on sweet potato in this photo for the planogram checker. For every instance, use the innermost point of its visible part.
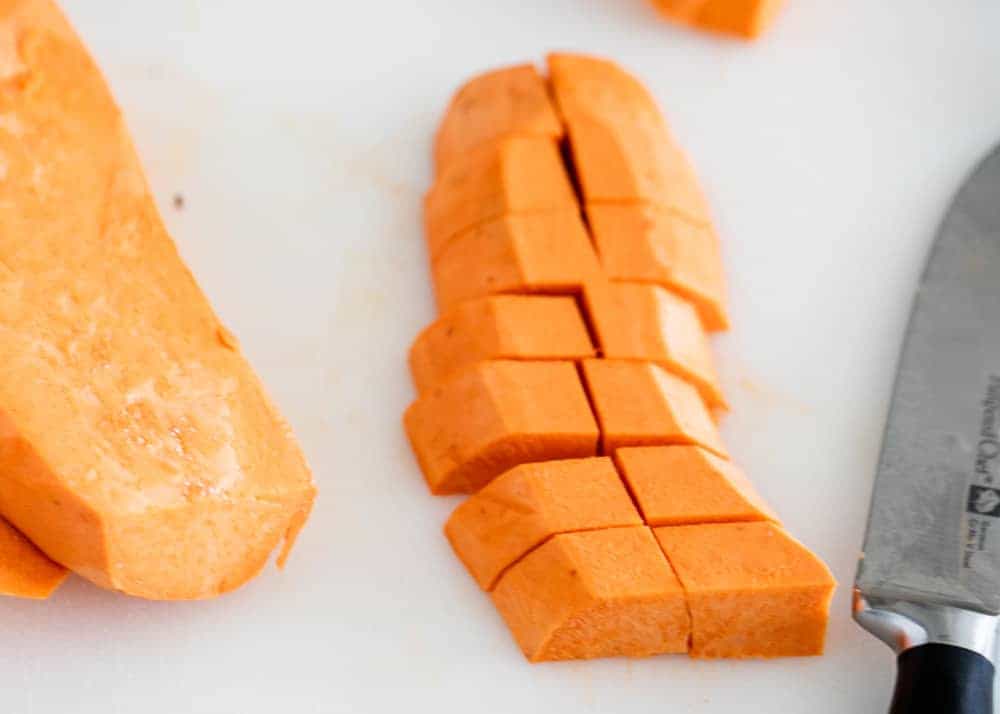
(593, 406)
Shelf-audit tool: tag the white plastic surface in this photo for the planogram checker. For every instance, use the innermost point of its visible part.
(298, 134)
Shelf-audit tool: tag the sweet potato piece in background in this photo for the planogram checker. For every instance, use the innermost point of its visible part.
(517, 175)
(622, 149)
(510, 101)
(527, 327)
(682, 485)
(605, 593)
(26, 571)
(744, 18)
(496, 415)
(641, 321)
(640, 404)
(533, 253)
(137, 446)
(648, 244)
(519, 509)
(753, 590)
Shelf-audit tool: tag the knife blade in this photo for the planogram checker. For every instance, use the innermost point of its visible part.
(928, 580)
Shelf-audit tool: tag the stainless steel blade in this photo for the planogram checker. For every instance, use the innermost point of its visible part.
(933, 534)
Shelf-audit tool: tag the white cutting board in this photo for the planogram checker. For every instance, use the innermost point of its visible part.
(298, 135)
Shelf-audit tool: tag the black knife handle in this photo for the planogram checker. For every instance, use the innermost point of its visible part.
(936, 678)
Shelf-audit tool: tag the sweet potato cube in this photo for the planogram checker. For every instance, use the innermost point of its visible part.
(647, 244)
(621, 146)
(496, 415)
(743, 18)
(603, 593)
(533, 253)
(640, 404)
(520, 509)
(682, 485)
(753, 590)
(524, 327)
(492, 106)
(640, 321)
(585, 85)
(518, 175)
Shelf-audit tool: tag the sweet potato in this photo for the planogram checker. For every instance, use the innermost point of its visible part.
(137, 446)
(606, 593)
(534, 253)
(564, 545)
(496, 415)
(517, 175)
(753, 590)
(621, 147)
(532, 502)
(647, 244)
(743, 18)
(681, 485)
(640, 404)
(637, 321)
(511, 101)
(499, 327)
(24, 570)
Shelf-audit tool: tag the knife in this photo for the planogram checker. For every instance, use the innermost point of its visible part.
(928, 581)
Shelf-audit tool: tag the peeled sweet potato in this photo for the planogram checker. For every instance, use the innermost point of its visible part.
(643, 243)
(496, 415)
(533, 502)
(574, 321)
(519, 175)
(493, 106)
(602, 593)
(524, 327)
(753, 590)
(640, 404)
(137, 446)
(537, 253)
(743, 18)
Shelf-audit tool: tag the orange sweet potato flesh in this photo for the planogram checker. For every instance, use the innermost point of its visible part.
(639, 321)
(640, 404)
(138, 447)
(560, 538)
(753, 590)
(532, 502)
(516, 175)
(682, 485)
(511, 101)
(648, 244)
(621, 147)
(604, 593)
(496, 415)
(743, 18)
(528, 327)
(533, 253)
(25, 571)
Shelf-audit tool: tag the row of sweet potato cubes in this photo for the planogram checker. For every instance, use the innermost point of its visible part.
(568, 383)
